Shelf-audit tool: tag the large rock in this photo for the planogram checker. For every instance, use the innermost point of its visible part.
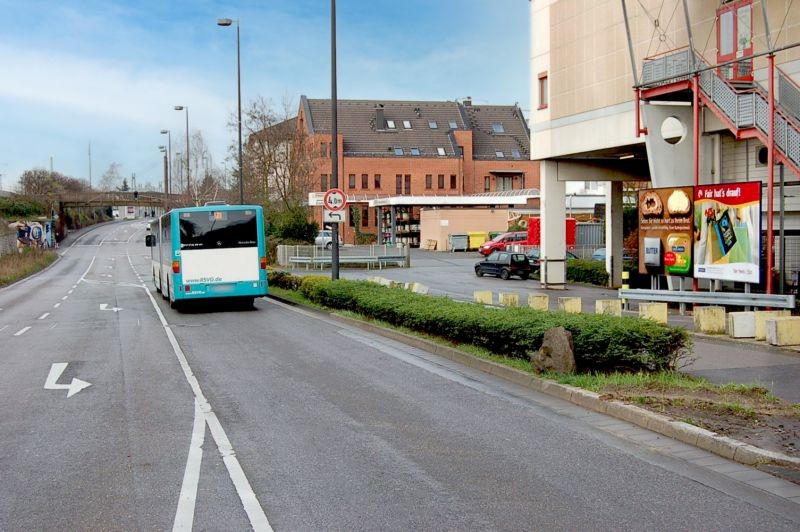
(556, 353)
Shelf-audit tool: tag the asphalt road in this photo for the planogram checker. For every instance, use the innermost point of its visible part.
(221, 419)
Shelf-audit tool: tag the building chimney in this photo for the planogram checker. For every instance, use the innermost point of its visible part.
(380, 121)
(467, 102)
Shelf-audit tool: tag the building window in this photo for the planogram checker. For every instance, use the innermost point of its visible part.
(440, 151)
(415, 151)
(428, 181)
(323, 149)
(499, 154)
(324, 182)
(398, 151)
(505, 183)
(453, 124)
(365, 217)
(364, 180)
(544, 90)
(497, 127)
(432, 124)
(378, 181)
(390, 124)
(453, 181)
(351, 180)
(407, 124)
(351, 222)
(515, 154)
(441, 181)
(487, 184)
(408, 184)
(398, 189)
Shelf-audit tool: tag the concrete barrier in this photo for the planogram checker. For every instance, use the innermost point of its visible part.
(762, 316)
(783, 330)
(509, 299)
(741, 325)
(608, 306)
(419, 288)
(570, 304)
(709, 320)
(483, 296)
(653, 311)
(539, 301)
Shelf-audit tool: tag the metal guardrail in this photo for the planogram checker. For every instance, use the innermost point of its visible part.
(739, 299)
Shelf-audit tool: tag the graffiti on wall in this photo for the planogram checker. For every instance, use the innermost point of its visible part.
(32, 234)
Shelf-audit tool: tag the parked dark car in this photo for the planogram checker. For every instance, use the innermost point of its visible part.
(535, 254)
(504, 264)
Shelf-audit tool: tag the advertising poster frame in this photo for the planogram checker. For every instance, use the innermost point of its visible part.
(727, 232)
(666, 231)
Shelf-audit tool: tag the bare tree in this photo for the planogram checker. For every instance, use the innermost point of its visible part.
(111, 179)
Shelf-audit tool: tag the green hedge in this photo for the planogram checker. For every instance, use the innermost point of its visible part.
(601, 342)
(587, 271)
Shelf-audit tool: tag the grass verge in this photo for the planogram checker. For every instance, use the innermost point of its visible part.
(16, 266)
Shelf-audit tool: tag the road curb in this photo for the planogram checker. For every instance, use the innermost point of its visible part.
(729, 448)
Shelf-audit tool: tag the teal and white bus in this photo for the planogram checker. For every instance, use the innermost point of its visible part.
(215, 251)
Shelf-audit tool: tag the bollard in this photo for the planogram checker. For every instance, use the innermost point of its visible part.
(539, 301)
(626, 275)
(509, 299)
(482, 296)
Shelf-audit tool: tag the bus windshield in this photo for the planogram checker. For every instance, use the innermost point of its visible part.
(218, 229)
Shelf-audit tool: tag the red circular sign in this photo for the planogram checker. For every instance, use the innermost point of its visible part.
(669, 258)
(334, 199)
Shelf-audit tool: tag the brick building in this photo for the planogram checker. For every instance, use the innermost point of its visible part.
(416, 149)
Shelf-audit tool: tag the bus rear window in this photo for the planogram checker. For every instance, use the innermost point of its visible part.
(218, 229)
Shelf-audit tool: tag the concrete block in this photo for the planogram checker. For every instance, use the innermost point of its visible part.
(761, 320)
(709, 320)
(419, 288)
(741, 325)
(570, 304)
(783, 330)
(483, 296)
(608, 306)
(509, 299)
(539, 301)
(653, 311)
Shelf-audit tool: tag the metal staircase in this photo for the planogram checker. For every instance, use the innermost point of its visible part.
(744, 109)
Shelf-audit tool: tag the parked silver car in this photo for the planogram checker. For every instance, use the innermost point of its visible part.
(324, 239)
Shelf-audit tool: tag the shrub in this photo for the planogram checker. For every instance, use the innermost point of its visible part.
(587, 271)
(601, 342)
(282, 279)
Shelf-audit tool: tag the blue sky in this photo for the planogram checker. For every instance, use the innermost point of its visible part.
(110, 72)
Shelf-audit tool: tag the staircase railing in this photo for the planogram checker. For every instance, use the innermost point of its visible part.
(744, 109)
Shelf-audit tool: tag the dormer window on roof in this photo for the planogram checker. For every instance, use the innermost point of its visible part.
(500, 154)
(453, 124)
(440, 151)
(390, 124)
(414, 151)
(398, 151)
(407, 124)
(515, 154)
(432, 124)
(497, 127)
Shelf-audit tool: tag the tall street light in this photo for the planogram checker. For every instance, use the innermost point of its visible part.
(228, 22)
(168, 185)
(163, 149)
(188, 167)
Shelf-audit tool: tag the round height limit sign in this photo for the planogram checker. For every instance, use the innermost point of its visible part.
(334, 203)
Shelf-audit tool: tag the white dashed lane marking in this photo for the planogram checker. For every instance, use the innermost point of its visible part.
(43, 316)
(22, 331)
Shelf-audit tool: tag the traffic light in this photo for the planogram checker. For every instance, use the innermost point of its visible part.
(135, 195)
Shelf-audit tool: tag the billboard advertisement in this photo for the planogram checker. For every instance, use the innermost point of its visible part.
(665, 231)
(727, 232)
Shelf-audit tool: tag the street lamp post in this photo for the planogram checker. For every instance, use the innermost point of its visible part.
(228, 22)
(168, 185)
(163, 149)
(188, 166)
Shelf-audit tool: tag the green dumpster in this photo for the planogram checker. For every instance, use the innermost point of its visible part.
(476, 238)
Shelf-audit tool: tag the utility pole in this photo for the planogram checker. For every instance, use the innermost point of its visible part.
(90, 166)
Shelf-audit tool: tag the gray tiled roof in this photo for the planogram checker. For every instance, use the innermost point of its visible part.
(357, 123)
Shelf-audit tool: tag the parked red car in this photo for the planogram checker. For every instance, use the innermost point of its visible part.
(500, 242)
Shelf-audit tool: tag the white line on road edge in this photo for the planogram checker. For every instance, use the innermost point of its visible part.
(43, 316)
(255, 513)
(22, 331)
(184, 516)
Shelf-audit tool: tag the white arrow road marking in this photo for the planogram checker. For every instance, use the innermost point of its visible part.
(104, 306)
(72, 388)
